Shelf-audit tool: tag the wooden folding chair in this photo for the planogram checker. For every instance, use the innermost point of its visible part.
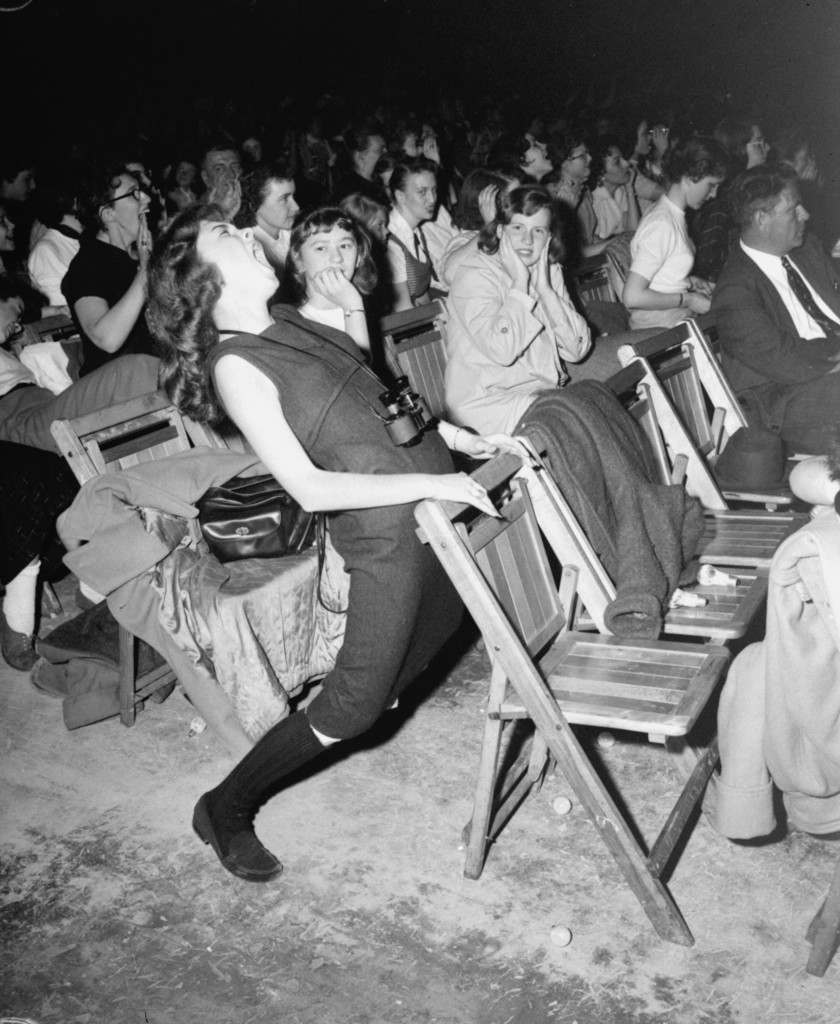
(139, 430)
(591, 280)
(727, 614)
(744, 537)
(415, 347)
(682, 362)
(554, 677)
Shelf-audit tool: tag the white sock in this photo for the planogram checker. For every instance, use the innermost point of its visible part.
(19, 599)
(90, 593)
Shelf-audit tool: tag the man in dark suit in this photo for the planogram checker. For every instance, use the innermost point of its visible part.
(779, 315)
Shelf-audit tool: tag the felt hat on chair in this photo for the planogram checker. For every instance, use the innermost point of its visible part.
(753, 459)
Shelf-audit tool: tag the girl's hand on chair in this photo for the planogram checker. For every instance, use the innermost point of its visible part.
(463, 489)
(478, 447)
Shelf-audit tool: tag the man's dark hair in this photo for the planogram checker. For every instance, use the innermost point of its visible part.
(757, 189)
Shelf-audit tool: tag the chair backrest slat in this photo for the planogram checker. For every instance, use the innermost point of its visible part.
(512, 559)
(592, 281)
(673, 422)
(416, 348)
(139, 430)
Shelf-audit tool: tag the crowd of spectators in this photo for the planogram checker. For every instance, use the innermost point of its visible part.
(491, 213)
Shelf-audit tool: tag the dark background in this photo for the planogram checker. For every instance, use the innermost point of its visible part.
(90, 66)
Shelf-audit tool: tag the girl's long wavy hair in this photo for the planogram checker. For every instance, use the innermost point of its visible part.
(527, 200)
(183, 291)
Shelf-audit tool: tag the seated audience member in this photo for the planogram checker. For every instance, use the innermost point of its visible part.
(614, 201)
(296, 389)
(180, 186)
(713, 228)
(523, 156)
(269, 208)
(777, 718)
(17, 183)
(365, 145)
(777, 308)
(36, 487)
(476, 208)
(373, 217)
(511, 326)
(35, 483)
(252, 152)
(414, 193)
(105, 284)
(648, 159)
(794, 151)
(53, 253)
(221, 172)
(511, 322)
(568, 183)
(315, 163)
(659, 290)
(405, 143)
(33, 303)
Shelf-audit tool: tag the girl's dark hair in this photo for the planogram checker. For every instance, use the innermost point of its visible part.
(362, 209)
(600, 151)
(97, 191)
(527, 200)
(733, 133)
(696, 158)
(183, 291)
(255, 188)
(325, 219)
(467, 215)
(403, 169)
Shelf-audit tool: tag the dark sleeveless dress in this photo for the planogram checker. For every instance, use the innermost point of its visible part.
(401, 606)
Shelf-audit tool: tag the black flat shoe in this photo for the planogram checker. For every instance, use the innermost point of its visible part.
(245, 857)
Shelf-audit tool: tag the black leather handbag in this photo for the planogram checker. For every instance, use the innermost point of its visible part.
(254, 517)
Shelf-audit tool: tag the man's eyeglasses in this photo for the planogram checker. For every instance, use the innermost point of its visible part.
(137, 193)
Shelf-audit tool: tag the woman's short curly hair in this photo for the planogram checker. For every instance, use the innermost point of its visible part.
(183, 291)
(527, 200)
(696, 158)
(325, 219)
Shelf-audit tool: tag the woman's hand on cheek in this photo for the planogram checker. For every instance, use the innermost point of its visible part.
(542, 275)
(487, 203)
(513, 264)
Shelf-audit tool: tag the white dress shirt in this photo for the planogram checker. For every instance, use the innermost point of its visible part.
(771, 266)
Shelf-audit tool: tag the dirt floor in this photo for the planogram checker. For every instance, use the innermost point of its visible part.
(114, 913)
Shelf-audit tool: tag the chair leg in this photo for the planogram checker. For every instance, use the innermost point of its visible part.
(128, 672)
(476, 832)
(824, 931)
(656, 901)
(683, 809)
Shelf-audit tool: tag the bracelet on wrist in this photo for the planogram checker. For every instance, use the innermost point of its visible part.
(350, 312)
(682, 299)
